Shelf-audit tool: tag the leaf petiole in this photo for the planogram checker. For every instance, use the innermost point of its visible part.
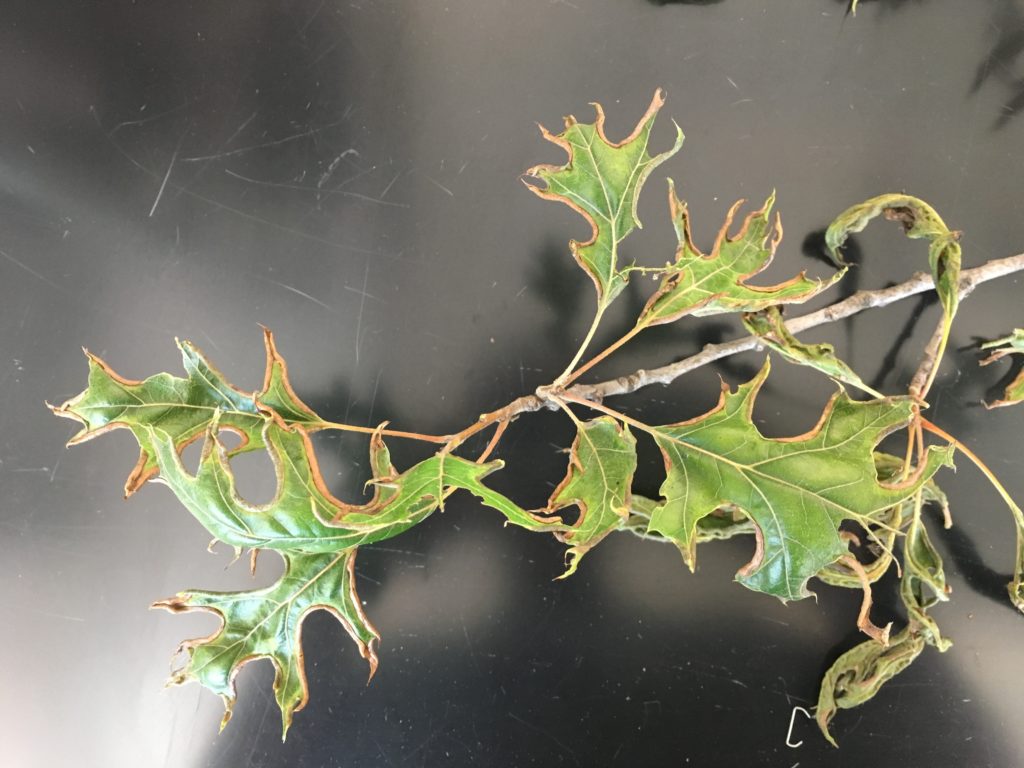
(567, 376)
(1016, 587)
(624, 339)
(989, 475)
(385, 432)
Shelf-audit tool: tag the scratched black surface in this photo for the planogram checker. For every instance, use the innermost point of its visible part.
(346, 173)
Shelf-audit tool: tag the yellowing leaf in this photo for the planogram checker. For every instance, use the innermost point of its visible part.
(601, 466)
(1009, 345)
(182, 408)
(602, 181)
(267, 623)
(859, 673)
(699, 284)
(923, 584)
(919, 220)
(797, 490)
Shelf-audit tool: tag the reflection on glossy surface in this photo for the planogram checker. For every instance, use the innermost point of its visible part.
(347, 174)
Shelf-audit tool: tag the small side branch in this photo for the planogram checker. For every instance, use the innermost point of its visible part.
(920, 282)
(547, 397)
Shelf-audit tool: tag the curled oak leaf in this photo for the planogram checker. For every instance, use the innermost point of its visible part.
(864, 622)
(859, 673)
(840, 574)
(601, 466)
(919, 220)
(1008, 345)
(1016, 587)
(769, 326)
(719, 525)
(886, 527)
(267, 623)
(797, 490)
(182, 408)
(304, 515)
(602, 181)
(923, 584)
(724, 524)
(889, 469)
(699, 284)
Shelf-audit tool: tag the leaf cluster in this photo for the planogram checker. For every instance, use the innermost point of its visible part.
(824, 505)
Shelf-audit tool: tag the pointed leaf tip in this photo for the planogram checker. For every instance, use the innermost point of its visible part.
(708, 284)
(180, 408)
(601, 181)
(254, 622)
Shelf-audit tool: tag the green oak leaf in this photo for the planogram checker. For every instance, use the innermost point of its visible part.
(769, 326)
(699, 284)
(601, 466)
(315, 533)
(304, 515)
(860, 673)
(602, 181)
(919, 220)
(267, 623)
(797, 490)
(1008, 345)
(182, 408)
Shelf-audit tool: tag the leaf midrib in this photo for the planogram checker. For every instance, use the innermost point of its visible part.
(742, 469)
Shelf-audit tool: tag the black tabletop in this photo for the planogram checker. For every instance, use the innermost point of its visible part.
(347, 174)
